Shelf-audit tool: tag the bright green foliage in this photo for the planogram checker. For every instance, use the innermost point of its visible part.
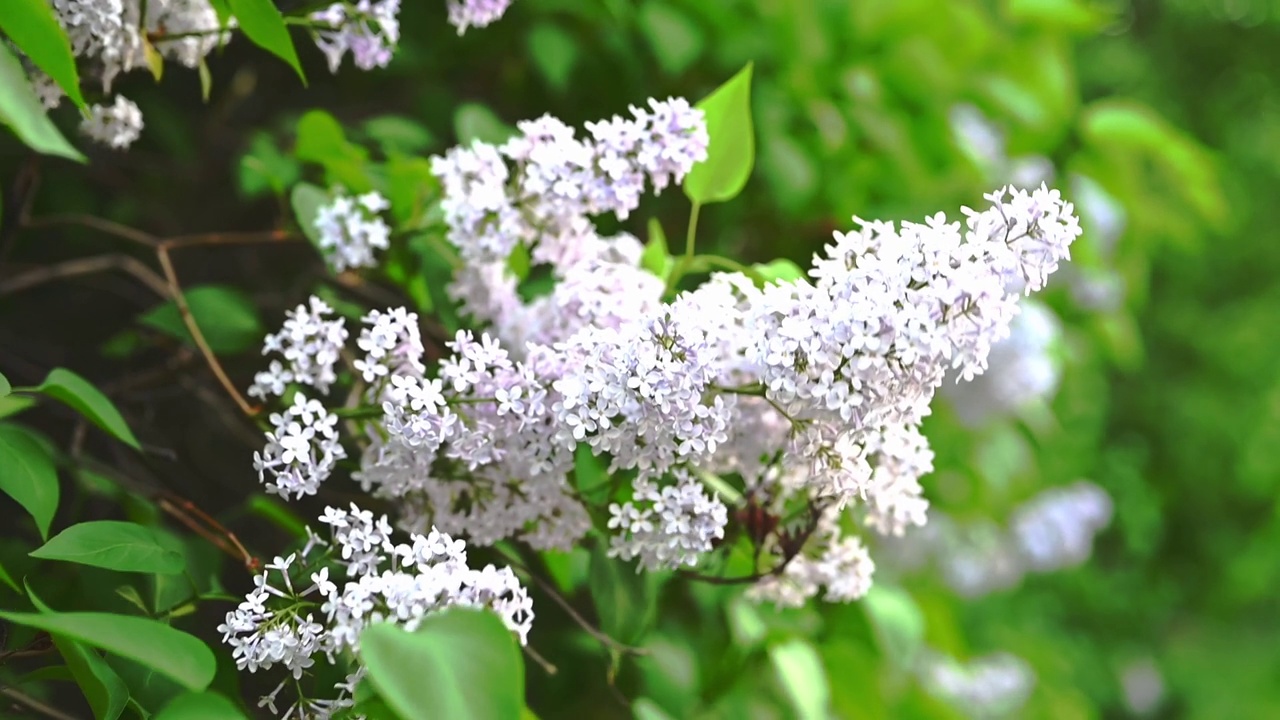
(898, 622)
(22, 112)
(114, 545)
(80, 395)
(459, 663)
(264, 25)
(731, 152)
(175, 654)
(226, 317)
(200, 706)
(799, 670)
(27, 475)
(5, 387)
(676, 39)
(656, 258)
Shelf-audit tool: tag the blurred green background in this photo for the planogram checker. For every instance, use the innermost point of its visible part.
(1158, 117)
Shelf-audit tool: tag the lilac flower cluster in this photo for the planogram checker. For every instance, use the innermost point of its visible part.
(368, 29)
(807, 394)
(108, 35)
(475, 13)
(540, 187)
(296, 621)
(350, 229)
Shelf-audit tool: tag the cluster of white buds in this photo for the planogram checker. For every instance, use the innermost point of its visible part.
(368, 29)
(350, 229)
(328, 593)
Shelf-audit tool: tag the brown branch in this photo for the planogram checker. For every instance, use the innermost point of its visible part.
(193, 327)
(94, 223)
(33, 704)
(183, 509)
(86, 266)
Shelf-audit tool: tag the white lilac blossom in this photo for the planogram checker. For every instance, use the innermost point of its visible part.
(989, 686)
(312, 614)
(540, 187)
(368, 29)
(109, 32)
(475, 13)
(392, 345)
(116, 125)
(301, 451)
(811, 392)
(665, 528)
(310, 342)
(350, 229)
(1023, 369)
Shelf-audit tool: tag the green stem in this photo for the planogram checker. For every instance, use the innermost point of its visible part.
(690, 238)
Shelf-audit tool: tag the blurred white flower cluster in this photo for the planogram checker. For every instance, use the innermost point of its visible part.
(310, 612)
(1022, 369)
(1053, 530)
(984, 688)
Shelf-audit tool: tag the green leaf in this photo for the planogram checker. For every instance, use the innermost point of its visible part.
(677, 41)
(5, 387)
(102, 687)
(33, 28)
(397, 134)
(800, 672)
(779, 271)
(80, 395)
(227, 318)
(626, 601)
(173, 653)
(307, 199)
(656, 258)
(898, 622)
(409, 183)
(519, 263)
(14, 404)
(264, 25)
(460, 663)
(264, 167)
(474, 121)
(28, 476)
(7, 579)
(114, 545)
(554, 53)
(321, 139)
(200, 706)
(22, 112)
(731, 151)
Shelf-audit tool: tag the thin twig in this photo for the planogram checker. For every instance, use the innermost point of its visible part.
(592, 630)
(86, 266)
(193, 327)
(94, 223)
(33, 704)
(178, 505)
(543, 662)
